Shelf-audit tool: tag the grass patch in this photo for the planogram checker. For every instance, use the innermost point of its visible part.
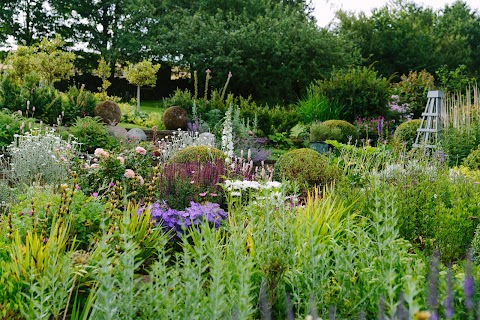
(131, 125)
(152, 106)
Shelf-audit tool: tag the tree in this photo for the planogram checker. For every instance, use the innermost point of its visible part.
(27, 21)
(45, 60)
(103, 71)
(142, 74)
(274, 50)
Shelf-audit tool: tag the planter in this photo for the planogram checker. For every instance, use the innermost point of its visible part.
(320, 147)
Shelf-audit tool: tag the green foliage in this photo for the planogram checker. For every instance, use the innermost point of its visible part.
(444, 208)
(321, 132)
(270, 120)
(348, 131)
(413, 89)
(306, 167)
(454, 80)
(141, 74)
(280, 140)
(472, 161)
(459, 142)
(91, 133)
(316, 107)
(360, 90)
(175, 118)
(109, 112)
(11, 124)
(77, 103)
(406, 133)
(201, 154)
(103, 71)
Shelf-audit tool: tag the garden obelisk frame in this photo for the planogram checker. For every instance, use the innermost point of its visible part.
(429, 132)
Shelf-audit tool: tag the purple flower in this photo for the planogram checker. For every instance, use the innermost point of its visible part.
(95, 194)
(468, 285)
(448, 302)
(111, 184)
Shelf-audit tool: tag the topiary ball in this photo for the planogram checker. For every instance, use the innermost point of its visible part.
(307, 167)
(175, 118)
(202, 154)
(407, 132)
(348, 130)
(472, 161)
(109, 112)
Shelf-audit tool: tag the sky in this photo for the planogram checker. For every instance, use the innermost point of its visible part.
(325, 9)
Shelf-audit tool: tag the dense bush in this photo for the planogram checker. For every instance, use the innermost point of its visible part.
(77, 103)
(194, 154)
(175, 118)
(459, 142)
(315, 106)
(413, 89)
(91, 133)
(472, 161)
(305, 166)
(406, 133)
(360, 90)
(348, 130)
(109, 112)
(321, 132)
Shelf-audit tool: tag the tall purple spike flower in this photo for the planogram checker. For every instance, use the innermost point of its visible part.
(448, 302)
(432, 299)
(381, 308)
(468, 285)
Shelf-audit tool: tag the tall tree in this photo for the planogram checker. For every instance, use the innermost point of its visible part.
(28, 21)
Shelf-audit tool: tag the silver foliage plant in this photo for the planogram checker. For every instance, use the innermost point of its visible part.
(39, 156)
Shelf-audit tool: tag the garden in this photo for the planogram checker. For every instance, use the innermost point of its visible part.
(212, 204)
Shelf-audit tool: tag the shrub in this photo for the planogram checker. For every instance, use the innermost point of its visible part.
(77, 103)
(11, 124)
(361, 91)
(305, 166)
(472, 161)
(40, 157)
(109, 112)
(175, 118)
(195, 154)
(458, 143)
(347, 130)
(92, 133)
(407, 132)
(412, 90)
(183, 99)
(321, 132)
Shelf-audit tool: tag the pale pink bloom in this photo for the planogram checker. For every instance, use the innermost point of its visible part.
(122, 161)
(99, 152)
(94, 166)
(106, 154)
(213, 194)
(140, 179)
(192, 182)
(208, 71)
(62, 158)
(129, 174)
(140, 150)
(229, 74)
(68, 146)
(56, 150)
(86, 166)
(203, 194)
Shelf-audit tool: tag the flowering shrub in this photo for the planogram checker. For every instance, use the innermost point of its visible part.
(98, 174)
(192, 216)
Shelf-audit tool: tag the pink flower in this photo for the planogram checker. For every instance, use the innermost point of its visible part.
(122, 161)
(99, 152)
(208, 71)
(129, 174)
(140, 179)
(192, 182)
(94, 166)
(111, 184)
(68, 146)
(140, 150)
(203, 194)
(95, 194)
(78, 187)
(213, 194)
(229, 74)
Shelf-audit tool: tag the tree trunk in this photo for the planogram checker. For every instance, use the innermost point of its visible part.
(138, 98)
